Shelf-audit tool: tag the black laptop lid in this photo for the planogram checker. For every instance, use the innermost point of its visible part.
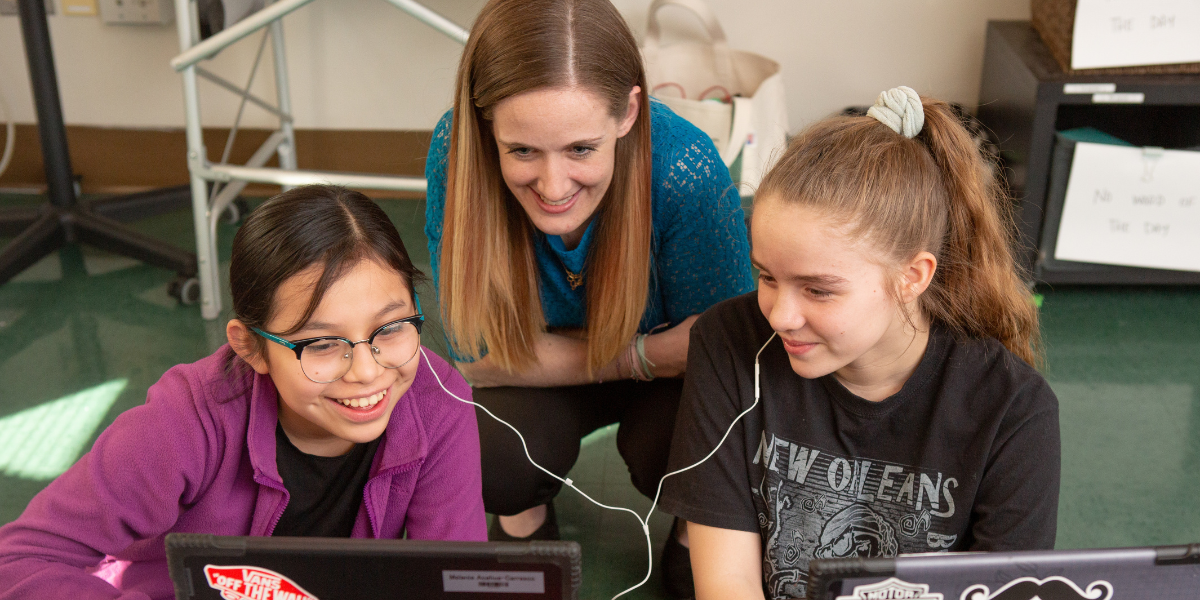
(207, 567)
(1116, 574)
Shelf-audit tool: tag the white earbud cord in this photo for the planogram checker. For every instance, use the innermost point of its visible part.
(571, 484)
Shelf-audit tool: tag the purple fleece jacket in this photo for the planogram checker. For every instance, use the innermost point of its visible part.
(199, 456)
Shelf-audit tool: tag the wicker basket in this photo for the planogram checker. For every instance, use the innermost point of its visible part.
(1054, 21)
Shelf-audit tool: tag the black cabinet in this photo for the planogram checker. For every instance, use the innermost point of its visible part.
(1025, 98)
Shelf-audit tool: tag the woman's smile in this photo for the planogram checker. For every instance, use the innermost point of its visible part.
(559, 206)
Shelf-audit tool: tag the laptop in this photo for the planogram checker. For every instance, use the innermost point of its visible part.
(1110, 574)
(209, 567)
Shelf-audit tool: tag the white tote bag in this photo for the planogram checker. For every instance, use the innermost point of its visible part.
(736, 97)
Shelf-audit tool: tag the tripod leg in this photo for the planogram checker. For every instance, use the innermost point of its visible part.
(145, 204)
(44, 236)
(14, 220)
(110, 235)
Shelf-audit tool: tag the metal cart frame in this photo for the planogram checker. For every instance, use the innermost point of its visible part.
(230, 179)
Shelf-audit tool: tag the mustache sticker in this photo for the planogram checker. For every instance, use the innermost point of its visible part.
(1050, 588)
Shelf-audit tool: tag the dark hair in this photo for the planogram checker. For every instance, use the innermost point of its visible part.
(309, 225)
(934, 193)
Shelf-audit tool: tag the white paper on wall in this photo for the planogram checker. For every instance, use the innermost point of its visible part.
(1137, 207)
(1123, 33)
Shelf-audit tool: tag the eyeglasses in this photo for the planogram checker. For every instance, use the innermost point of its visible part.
(328, 358)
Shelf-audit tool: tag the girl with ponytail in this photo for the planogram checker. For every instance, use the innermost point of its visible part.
(901, 409)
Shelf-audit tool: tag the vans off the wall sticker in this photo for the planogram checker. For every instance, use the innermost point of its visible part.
(253, 583)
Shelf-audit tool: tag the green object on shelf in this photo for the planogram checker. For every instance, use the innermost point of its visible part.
(1093, 136)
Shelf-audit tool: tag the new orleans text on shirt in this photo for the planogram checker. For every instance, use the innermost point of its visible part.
(813, 503)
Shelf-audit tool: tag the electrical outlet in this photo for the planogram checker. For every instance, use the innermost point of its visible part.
(137, 12)
(9, 7)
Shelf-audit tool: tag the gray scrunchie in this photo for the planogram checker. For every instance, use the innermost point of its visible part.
(900, 109)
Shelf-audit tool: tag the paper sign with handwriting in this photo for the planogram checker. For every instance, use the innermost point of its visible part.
(1124, 33)
(1137, 207)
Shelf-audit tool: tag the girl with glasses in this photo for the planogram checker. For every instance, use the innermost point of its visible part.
(321, 417)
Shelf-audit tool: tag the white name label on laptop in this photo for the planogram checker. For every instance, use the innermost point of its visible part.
(499, 582)
(1122, 33)
(1138, 207)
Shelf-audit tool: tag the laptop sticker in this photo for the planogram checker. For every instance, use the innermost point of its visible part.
(253, 583)
(1050, 588)
(496, 582)
(892, 588)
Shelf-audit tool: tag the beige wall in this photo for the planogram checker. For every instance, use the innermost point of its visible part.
(362, 64)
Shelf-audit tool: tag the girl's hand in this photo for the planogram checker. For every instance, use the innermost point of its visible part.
(668, 350)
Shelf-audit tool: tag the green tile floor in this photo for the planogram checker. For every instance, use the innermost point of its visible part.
(84, 333)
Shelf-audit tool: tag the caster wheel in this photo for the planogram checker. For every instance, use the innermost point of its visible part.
(235, 211)
(185, 289)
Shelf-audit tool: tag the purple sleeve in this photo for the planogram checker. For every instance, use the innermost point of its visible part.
(131, 486)
(447, 503)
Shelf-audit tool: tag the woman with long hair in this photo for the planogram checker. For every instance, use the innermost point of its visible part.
(576, 228)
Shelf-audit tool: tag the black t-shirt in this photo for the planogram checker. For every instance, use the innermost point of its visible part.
(324, 492)
(964, 457)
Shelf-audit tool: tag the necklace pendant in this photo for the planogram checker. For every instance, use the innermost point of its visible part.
(575, 280)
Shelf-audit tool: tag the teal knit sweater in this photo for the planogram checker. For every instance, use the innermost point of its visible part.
(699, 252)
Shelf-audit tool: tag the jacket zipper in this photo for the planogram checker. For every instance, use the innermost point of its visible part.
(390, 473)
(268, 482)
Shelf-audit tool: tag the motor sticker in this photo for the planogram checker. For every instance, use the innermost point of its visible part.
(892, 589)
(1050, 588)
(253, 583)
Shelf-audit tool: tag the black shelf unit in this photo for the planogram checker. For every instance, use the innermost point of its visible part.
(1022, 99)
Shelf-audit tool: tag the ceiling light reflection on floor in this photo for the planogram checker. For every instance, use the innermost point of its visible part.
(41, 442)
